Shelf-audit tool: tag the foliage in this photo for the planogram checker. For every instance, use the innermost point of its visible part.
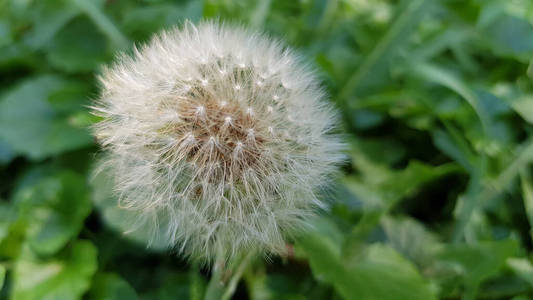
(436, 201)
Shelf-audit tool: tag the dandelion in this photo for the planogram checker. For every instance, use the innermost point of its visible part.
(217, 137)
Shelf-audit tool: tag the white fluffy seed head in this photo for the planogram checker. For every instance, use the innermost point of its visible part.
(218, 138)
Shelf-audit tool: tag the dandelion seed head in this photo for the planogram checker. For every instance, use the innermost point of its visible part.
(198, 141)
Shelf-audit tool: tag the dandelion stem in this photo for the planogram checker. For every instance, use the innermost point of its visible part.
(230, 289)
(215, 289)
(219, 287)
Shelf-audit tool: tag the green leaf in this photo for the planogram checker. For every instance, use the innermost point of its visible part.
(65, 277)
(390, 186)
(110, 286)
(7, 216)
(31, 126)
(527, 195)
(523, 268)
(141, 22)
(376, 63)
(524, 107)
(410, 238)
(455, 147)
(5, 33)
(100, 19)
(54, 210)
(78, 47)
(510, 35)
(378, 272)
(174, 286)
(48, 17)
(2, 276)
(478, 262)
(467, 204)
(6, 153)
(446, 78)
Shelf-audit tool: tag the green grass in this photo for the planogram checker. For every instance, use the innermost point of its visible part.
(436, 201)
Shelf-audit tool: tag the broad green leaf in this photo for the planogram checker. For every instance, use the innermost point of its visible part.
(446, 78)
(65, 277)
(93, 10)
(110, 286)
(429, 49)
(406, 182)
(411, 239)
(47, 18)
(523, 268)
(455, 147)
(7, 216)
(2, 276)
(393, 185)
(173, 286)
(379, 189)
(141, 22)
(524, 107)
(69, 98)
(53, 210)
(378, 272)
(78, 47)
(6, 153)
(468, 203)
(478, 262)
(510, 35)
(5, 33)
(30, 125)
(374, 67)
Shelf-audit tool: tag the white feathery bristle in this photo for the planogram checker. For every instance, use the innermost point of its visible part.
(219, 136)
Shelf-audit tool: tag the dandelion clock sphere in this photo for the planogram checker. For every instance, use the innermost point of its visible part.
(217, 136)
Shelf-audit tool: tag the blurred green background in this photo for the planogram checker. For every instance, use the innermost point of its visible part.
(436, 201)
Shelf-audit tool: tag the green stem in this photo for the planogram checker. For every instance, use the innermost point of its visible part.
(216, 286)
(220, 288)
(237, 275)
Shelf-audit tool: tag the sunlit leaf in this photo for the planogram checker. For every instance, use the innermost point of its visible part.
(65, 277)
(478, 262)
(30, 125)
(379, 272)
(53, 210)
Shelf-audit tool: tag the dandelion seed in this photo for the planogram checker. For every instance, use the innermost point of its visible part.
(200, 110)
(230, 183)
(250, 111)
